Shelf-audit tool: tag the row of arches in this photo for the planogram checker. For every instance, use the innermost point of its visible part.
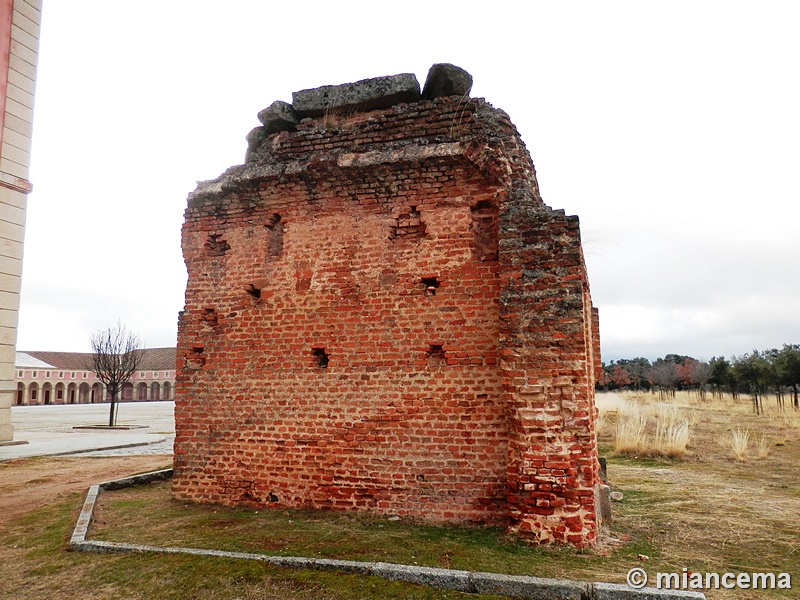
(73, 393)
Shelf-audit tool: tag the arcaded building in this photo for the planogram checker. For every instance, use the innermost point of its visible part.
(382, 314)
(45, 377)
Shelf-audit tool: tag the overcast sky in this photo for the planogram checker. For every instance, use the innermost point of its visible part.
(672, 129)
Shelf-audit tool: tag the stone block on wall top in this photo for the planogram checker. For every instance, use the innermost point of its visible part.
(278, 116)
(446, 80)
(367, 94)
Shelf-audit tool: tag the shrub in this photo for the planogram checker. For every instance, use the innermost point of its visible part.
(659, 430)
(739, 442)
(672, 440)
(763, 447)
(631, 436)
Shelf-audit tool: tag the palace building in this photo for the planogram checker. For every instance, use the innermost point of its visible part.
(20, 21)
(66, 378)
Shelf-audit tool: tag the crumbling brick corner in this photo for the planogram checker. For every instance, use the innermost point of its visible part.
(382, 314)
(549, 352)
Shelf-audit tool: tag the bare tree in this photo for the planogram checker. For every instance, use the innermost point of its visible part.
(663, 375)
(116, 356)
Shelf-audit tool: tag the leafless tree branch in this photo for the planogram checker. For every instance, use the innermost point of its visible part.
(117, 354)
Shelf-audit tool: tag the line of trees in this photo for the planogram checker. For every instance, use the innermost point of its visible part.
(756, 373)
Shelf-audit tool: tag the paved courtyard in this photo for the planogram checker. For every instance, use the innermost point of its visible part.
(50, 430)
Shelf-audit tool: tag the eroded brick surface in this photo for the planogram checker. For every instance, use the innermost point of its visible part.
(382, 314)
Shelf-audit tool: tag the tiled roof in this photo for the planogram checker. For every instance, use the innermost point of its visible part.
(155, 359)
(73, 361)
(26, 361)
(158, 359)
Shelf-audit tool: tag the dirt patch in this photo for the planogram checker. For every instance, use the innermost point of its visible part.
(30, 483)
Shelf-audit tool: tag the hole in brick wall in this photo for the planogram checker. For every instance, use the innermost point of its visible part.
(420, 477)
(408, 225)
(215, 245)
(321, 358)
(484, 229)
(483, 396)
(272, 497)
(273, 220)
(210, 317)
(436, 355)
(196, 359)
(275, 241)
(253, 290)
(430, 285)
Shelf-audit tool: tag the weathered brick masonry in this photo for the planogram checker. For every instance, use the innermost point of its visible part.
(382, 314)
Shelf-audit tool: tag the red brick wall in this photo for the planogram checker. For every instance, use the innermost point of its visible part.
(382, 314)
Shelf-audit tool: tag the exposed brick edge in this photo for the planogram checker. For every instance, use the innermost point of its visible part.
(511, 586)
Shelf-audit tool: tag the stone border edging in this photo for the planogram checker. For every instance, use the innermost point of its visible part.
(105, 448)
(513, 586)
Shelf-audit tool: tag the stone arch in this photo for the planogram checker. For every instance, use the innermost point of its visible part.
(47, 393)
(96, 393)
(167, 390)
(20, 397)
(126, 395)
(155, 391)
(72, 393)
(83, 393)
(141, 392)
(59, 395)
(33, 393)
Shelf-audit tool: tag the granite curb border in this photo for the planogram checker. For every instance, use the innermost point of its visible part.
(27, 444)
(512, 586)
(104, 448)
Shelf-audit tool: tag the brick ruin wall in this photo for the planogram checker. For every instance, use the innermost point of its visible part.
(382, 314)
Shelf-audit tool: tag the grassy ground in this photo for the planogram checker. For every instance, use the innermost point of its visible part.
(709, 510)
(706, 511)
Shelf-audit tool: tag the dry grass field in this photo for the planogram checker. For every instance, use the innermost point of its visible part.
(698, 499)
(730, 502)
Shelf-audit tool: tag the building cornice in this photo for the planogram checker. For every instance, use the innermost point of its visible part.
(18, 184)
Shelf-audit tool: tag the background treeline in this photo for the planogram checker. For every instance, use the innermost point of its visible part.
(756, 373)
